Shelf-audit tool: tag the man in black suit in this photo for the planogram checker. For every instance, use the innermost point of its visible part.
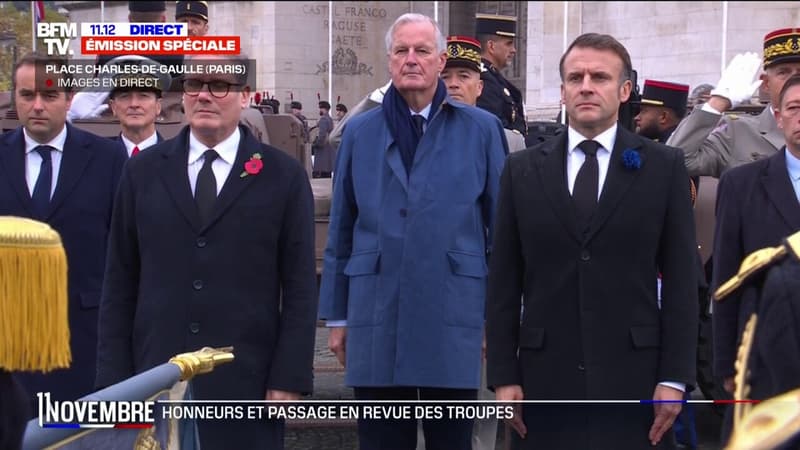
(66, 177)
(592, 326)
(758, 204)
(212, 244)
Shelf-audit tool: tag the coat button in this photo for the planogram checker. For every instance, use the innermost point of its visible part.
(403, 212)
(194, 327)
(201, 242)
(197, 284)
(585, 256)
(581, 367)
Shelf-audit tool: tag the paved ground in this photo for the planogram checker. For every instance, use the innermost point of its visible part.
(329, 384)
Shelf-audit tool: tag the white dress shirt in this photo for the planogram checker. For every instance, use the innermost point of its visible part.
(129, 145)
(221, 166)
(575, 156)
(33, 160)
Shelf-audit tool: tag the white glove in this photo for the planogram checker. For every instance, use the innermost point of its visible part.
(87, 104)
(738, 81)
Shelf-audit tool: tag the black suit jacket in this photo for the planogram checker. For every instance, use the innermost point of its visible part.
(756, 208)
(592, 327)
(246, 279)
(81, 212)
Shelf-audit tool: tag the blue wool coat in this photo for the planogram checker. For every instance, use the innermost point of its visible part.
(406, 258)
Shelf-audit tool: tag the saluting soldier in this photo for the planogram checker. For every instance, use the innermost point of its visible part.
(714, 142)
(496, 35)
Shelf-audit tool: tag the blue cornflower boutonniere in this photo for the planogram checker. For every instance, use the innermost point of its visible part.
(631, 159)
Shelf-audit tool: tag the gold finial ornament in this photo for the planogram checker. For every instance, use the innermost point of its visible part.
(34, 321)
(202, 361)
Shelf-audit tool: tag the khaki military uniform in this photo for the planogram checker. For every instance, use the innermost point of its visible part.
(713, 144)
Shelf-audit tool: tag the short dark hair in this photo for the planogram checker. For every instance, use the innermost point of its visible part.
(793, 80)
(40, 60)
(600, 42)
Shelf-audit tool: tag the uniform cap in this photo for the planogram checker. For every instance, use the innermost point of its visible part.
(782, 46)
(142, 6)
(198, 9)
(496, 24)
(464, 52)
(663, 93)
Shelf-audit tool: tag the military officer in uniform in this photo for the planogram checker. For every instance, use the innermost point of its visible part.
(496, 35)
(194, 15)
(663, 106)
(767, 365)
(714, 142)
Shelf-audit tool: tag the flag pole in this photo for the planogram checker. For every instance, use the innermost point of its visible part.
(33, 26)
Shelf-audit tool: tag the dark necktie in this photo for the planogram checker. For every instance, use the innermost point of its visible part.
(44, 184)
(205, 192)
(419, 123)
(584, 192)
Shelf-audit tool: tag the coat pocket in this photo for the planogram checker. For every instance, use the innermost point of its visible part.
(645, 337)
(466, 289)
(468, 264)
(363, 263)
(362, 270)
(531, 338)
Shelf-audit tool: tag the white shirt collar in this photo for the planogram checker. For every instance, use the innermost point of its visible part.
(57, 142)
(227, 148)
(426, 111)
(606, 139)
(150, 141)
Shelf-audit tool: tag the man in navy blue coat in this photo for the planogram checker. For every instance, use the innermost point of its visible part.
(66, 177)
(212, 244)
(757, 205)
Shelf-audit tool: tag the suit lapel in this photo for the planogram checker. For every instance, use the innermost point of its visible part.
(394, 159)
(74, 160)
(12, 163)
(618, 180)
(552, 166)
(236, 184)
(175, 174)
(768, 128)
(780, 191)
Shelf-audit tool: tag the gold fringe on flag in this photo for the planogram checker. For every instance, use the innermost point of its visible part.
(34, 326)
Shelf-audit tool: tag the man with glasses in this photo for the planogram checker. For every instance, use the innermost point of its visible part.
(212, 244)
(713, 142)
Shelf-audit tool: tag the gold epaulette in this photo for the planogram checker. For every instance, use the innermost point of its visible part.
(769, 424)
(758, 261)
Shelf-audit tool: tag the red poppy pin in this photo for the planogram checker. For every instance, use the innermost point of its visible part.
(253, 166)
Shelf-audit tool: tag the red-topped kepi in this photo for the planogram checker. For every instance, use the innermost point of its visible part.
(782, 46)
(463, 51)
(667, 94)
